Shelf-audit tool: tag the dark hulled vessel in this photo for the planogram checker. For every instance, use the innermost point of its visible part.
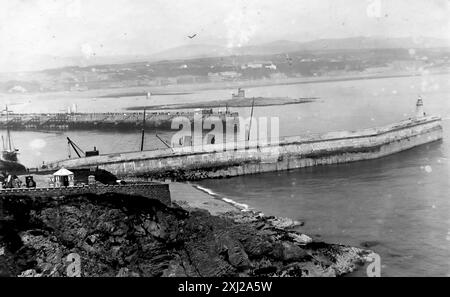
(8, 156)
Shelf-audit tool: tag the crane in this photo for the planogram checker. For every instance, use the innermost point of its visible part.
(75, 147)
(163, 141)
(79, 151)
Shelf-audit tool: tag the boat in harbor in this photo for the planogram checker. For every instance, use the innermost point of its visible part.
(9, 160)
(9, 153)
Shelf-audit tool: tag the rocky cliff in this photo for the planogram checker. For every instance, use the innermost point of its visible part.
(118, 235)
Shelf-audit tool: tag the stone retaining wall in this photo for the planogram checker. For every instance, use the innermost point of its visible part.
(156, 191)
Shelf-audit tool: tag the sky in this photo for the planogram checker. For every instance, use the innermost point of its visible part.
(31, 29)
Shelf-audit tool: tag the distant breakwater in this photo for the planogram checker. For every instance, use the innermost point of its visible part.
(236, 103)
(103, 121)
(143, 94)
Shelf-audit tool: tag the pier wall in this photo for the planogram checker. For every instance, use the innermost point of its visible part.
(149, 190)
(107, 121)
(210, 161)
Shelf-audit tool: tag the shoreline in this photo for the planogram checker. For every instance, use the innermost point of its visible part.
(188, 196)
(128, 236)
(206, 199)
(233, 206)
(229, 85)
(218, 205)
(296, 81)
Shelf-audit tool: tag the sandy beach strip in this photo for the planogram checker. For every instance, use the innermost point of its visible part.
(186, 194)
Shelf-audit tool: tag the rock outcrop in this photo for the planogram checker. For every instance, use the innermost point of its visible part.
(117, 235)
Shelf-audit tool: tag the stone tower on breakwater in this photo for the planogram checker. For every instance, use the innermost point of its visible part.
(419, 108)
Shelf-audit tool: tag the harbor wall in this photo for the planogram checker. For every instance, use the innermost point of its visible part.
(211, 161)
(106, 121)
(156, 191)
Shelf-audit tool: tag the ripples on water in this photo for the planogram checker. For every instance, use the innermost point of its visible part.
(398, 204)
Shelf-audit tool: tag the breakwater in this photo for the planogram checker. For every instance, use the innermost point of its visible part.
(102, 121)
(235, 102)
(250, 157)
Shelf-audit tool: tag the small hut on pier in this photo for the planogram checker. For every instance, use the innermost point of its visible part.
(63, 178)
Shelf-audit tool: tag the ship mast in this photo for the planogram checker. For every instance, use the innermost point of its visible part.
(143, 132)
(251, 117)
(7, 130)
(8, 134)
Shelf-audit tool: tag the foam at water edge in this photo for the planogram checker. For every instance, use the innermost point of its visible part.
(208, 191)
(241, 206)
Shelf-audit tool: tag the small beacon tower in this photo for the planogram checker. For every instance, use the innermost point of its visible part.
(419, 108)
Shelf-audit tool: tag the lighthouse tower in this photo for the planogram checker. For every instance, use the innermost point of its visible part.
(419, 108)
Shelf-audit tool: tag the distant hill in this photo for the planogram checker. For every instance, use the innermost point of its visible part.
(286, 46)
(193, 51)
(375, 43)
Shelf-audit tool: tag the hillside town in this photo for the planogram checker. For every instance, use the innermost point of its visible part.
(275, 67)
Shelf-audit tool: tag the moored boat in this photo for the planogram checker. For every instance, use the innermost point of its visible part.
(9, 154)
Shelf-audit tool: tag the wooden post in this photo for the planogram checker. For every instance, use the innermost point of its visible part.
(143, 133)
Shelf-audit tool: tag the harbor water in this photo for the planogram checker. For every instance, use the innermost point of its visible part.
(399, 205)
